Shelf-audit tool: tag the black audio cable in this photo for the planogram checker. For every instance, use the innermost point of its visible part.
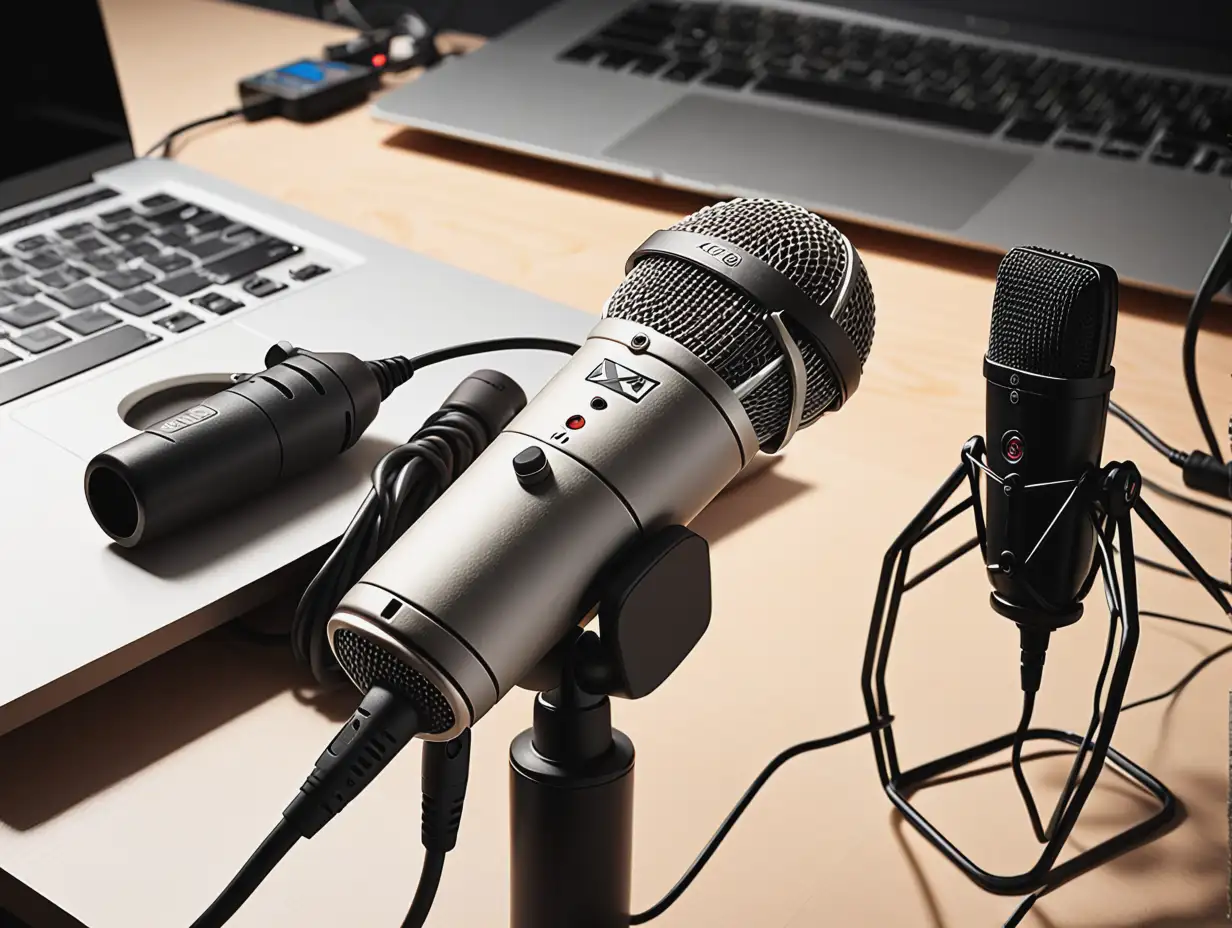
(405, 482)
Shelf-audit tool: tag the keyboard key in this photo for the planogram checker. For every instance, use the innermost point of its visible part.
(21, 288)
(215, 223)
(179, 322)
(210, 248)
(129, 232)
(184, 284)
(1068, 144)
(583, 53)
(24, 379)
(683, 72)
(44, 260)
(217, 303)
(615, 59)
(142, 249)
(126, 278)
(7, 357)
(176, 215)
(33, 243)
(1173, 153)
(733, 78)
(249, 260)
(89, 321)
(62, 277)
(169, 263)
(7, 299)
(239, 230)
(106, 261)
(1121, 151)
(1030, 130)
(36, 341)
(117, 215)
(10, 271)
(174, 237)
(262, 286)
(90, 244)
(1131, 134)
(941, 114)
(28, 314)
(79, 296)
(1206, 162)
(158, 201)
(75, 230)
(648, 64)
(140, 303)
(308, 271)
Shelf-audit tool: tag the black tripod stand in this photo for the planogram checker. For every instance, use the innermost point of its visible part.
(571, 774)
(1109, 497)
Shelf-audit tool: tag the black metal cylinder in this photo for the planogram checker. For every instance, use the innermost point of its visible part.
(571, 802)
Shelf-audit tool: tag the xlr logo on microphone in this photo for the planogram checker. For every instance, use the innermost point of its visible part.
(620, 379)
(724, 254)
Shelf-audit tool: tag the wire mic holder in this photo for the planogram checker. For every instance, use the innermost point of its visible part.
(1109, 497)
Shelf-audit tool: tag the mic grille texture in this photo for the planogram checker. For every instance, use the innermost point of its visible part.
(726, 329)
(1046, 315)
(367, 663)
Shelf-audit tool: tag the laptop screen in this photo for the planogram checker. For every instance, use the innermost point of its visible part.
(61, 110)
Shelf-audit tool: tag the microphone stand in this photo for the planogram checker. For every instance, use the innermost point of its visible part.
(1111, 496)
(571, 773)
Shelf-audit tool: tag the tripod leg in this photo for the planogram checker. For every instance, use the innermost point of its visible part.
(1181, 553)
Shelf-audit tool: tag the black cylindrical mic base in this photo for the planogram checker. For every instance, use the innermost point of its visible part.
(571, 821)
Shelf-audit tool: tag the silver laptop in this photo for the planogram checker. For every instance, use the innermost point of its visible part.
(1096, 127)
(127, 285)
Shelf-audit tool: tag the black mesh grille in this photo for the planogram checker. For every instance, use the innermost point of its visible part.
(726, 329)
(367, 663)
(1046, 316)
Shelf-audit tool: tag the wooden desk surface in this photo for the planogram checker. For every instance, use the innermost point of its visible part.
(134, 805)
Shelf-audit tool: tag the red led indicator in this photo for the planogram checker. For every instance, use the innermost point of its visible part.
(1013, 448)
(574, 422)
(379, 60)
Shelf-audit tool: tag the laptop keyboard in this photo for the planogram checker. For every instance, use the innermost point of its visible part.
(1030, 99)
(118, 277)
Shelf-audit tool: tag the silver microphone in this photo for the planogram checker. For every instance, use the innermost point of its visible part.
(731, 330)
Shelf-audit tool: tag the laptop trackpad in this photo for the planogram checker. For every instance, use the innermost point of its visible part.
(819, 161)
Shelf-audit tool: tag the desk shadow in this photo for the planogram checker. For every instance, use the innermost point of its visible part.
(103, 737)
(756, 492)
(969, 259)
(1202, 861)
(230, 532)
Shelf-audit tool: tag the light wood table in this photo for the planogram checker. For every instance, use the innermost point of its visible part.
(134, 805)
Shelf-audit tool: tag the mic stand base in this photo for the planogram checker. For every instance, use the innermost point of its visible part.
(1118, 496)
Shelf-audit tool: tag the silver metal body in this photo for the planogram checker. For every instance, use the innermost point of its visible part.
(76, 611)
(493, 575)
(1156, 225)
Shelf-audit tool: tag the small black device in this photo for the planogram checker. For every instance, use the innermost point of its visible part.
(308, 89)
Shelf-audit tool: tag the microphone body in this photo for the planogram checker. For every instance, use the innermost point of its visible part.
(620, 442)
(739, 325)
(1049, 377)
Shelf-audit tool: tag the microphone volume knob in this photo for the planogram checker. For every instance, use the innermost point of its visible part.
(531, 466)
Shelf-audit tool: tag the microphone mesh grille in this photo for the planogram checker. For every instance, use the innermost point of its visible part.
(1046, 316)
(367, 663)
(726, 329)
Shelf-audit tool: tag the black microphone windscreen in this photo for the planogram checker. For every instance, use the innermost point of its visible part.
(726, 329)
(1048, 316)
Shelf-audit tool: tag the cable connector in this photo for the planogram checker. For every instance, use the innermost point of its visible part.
(1208, 474)
(383, 725)
(446, 769)
(1034, 645)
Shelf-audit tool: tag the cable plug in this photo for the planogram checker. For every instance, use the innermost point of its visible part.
(1207, 474)
(446, 769)
(1034, 645)
(382, 726)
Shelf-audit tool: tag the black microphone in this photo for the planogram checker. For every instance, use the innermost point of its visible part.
(1049, 377)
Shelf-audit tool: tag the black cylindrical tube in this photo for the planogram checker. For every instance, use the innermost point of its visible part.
(571, 820)
(232, 447)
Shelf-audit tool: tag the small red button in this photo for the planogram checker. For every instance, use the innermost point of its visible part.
(574, 422)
